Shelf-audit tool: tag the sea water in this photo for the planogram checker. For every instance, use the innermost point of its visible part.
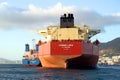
(20, 72)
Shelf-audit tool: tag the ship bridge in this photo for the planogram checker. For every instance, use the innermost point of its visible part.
(67, 30)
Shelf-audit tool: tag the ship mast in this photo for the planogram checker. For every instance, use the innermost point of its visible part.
(33, 44)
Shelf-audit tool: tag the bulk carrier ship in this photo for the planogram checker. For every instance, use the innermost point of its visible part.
(68, 46)
(30, 57)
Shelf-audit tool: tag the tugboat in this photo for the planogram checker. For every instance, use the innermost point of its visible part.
(68, 46)
(30, 57)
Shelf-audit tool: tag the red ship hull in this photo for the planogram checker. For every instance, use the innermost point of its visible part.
(68, 54)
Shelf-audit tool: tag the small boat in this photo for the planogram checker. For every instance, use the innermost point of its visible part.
(30, 57)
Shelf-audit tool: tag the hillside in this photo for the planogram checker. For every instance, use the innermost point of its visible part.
(2, 59)
(6, 61)
(111, 48)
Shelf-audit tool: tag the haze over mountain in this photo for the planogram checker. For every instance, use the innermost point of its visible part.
(6, 61)
(2, 59)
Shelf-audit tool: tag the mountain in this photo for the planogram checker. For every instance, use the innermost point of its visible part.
(111, 48)
(6, 61)
(2, 59)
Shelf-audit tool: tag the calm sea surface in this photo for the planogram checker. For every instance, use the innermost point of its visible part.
(19, 72)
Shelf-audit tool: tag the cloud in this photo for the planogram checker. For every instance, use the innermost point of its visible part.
(36, 18)
(3, 4)
(31, 18)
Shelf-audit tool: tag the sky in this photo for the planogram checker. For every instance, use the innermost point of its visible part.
(21, 19)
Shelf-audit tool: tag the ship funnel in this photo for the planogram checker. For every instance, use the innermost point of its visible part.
(27, 48)
(67, 21)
